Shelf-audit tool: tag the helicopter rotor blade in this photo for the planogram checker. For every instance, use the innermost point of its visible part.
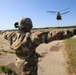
(51, 11)
(65, 12)
(65, 9)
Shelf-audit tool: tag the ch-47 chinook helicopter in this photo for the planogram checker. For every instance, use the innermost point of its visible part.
(59, 14)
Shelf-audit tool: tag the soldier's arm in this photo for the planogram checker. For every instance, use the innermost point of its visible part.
(46, 37)
(59, 35)
(10, 36)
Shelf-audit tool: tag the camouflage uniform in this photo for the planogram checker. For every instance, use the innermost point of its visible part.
(25, 45)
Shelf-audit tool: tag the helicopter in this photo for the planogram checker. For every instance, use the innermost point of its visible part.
(59, 14)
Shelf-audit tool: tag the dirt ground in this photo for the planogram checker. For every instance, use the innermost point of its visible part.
(52, 61)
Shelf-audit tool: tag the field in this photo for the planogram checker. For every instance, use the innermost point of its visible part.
(70, 47)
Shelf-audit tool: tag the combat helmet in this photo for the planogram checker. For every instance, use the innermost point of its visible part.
(24, 24)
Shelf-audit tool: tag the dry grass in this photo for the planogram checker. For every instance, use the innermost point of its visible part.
(71, 53)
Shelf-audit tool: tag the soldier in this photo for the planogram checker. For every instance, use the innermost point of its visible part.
(24, 43)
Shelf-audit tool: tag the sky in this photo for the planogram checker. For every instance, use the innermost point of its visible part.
(12, 11)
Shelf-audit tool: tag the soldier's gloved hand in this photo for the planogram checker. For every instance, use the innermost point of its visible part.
(68, 33)
(5, 34)
(3, 31)
(74, 31)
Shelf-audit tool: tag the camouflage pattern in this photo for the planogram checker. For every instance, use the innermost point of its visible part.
(25, 22)
(25, 45)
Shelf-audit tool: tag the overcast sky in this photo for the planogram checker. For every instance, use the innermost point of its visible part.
(12, 10)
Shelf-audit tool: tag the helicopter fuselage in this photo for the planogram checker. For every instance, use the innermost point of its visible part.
(58, 16)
